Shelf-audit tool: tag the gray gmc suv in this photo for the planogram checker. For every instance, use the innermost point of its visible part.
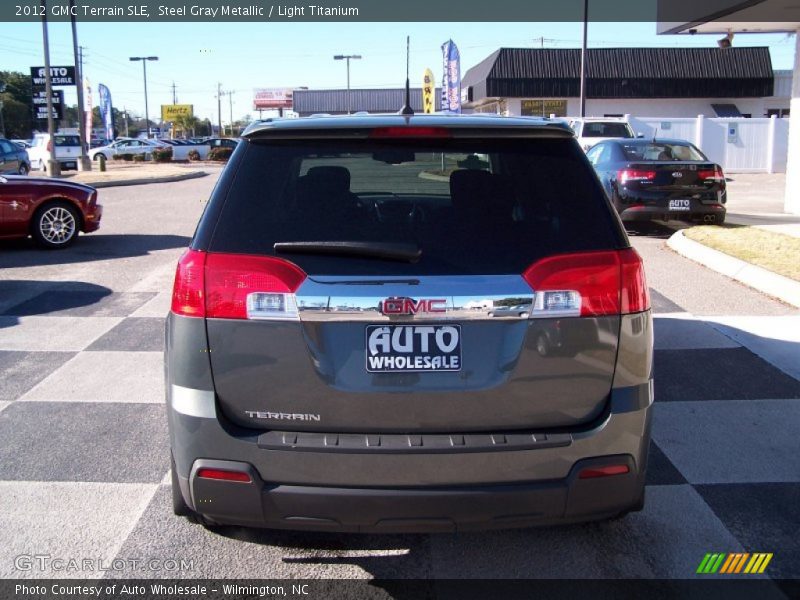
(408, 324)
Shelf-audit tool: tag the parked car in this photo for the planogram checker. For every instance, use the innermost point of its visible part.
(660, 179)
(221, 143)
(126, 146)
(332, 360)
(13, 158)
(52, 211)
(67, 150)
(592, 130)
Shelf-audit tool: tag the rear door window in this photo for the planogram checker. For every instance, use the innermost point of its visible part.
(67, 140)
(471, 206)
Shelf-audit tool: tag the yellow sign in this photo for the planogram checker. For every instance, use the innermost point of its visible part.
(170, 112)
(543, 108)
(428, 89)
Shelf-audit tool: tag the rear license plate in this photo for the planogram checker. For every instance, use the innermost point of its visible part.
(70, 165)
(682, 204)
(413, 348)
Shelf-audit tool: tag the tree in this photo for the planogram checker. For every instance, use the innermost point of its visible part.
(187, 124)
(17, 101)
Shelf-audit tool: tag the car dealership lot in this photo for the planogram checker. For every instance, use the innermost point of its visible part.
(84, 464)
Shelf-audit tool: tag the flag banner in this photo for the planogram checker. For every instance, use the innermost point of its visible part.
(451, 81)
(106, 110)
(428, 89)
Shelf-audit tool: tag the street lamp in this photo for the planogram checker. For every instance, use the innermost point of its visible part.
(347, 57)
(144, 60)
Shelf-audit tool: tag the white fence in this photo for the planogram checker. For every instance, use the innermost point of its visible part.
(739, 145)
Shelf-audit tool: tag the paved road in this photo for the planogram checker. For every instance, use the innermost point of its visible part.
(84, 458)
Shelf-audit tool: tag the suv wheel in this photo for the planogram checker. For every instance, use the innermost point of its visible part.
(55, 225)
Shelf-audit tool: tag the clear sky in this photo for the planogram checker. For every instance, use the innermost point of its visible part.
(246, 56)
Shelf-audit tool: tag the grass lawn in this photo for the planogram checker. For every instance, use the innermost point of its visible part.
(773, 251)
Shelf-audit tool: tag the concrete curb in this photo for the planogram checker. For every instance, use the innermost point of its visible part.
(751, 275)
(144, 180)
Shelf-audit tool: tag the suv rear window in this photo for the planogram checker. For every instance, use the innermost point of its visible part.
(609, 130)
(67, 140)
(471, 206)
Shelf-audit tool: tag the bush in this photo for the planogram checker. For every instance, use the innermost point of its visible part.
(162, 154)
(193, 155)
(222, 154)
(127, 156)
(138, 158)
(116, 157)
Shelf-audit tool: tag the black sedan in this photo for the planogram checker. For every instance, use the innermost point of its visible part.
(660, 179)
(13, 159)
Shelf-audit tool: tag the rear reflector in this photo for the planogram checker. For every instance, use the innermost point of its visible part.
(627, 175)
(409, 132)
(593, 472)
(222, 475)
(588, 284)
(235, 286)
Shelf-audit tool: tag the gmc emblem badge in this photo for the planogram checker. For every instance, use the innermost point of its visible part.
(409, 306)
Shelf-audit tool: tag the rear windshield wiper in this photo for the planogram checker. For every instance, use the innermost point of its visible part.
(384, 250)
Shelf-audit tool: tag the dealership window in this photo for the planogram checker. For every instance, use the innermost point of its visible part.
(543, 108)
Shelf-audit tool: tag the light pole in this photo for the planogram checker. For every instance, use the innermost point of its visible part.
(53, 166)
(347, 57)
(144, 60)
(84, 163)
(583, 57)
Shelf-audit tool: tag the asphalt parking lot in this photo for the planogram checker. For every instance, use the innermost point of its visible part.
(84, 463)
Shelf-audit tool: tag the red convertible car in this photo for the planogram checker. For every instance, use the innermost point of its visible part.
(52, 211)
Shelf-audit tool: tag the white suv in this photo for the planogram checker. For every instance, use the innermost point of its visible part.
(591, 131)
(67, 150)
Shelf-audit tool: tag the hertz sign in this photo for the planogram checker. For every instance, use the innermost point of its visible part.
(171, 112)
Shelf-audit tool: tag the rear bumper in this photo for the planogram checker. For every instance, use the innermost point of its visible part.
(407, 510)
(363, 491)
(699, 212)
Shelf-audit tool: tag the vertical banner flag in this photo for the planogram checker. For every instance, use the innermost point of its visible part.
(451, 82)
(106, 111)
(87, 95)
(428, 88)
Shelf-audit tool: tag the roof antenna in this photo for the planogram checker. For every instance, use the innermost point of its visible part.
(407, 110)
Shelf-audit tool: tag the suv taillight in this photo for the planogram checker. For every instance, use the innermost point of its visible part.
(588, 284)
(235, 286)
(49, 145)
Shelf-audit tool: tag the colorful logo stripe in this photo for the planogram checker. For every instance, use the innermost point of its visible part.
(734, 563)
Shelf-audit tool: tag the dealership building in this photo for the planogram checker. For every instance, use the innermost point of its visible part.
(657, 82)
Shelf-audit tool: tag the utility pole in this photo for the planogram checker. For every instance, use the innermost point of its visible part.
(174, 94)
(230, 103)
(583, 56)
(53, 166)
(125, 112)
(84, 163)
(144, 60)
(219, 109)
